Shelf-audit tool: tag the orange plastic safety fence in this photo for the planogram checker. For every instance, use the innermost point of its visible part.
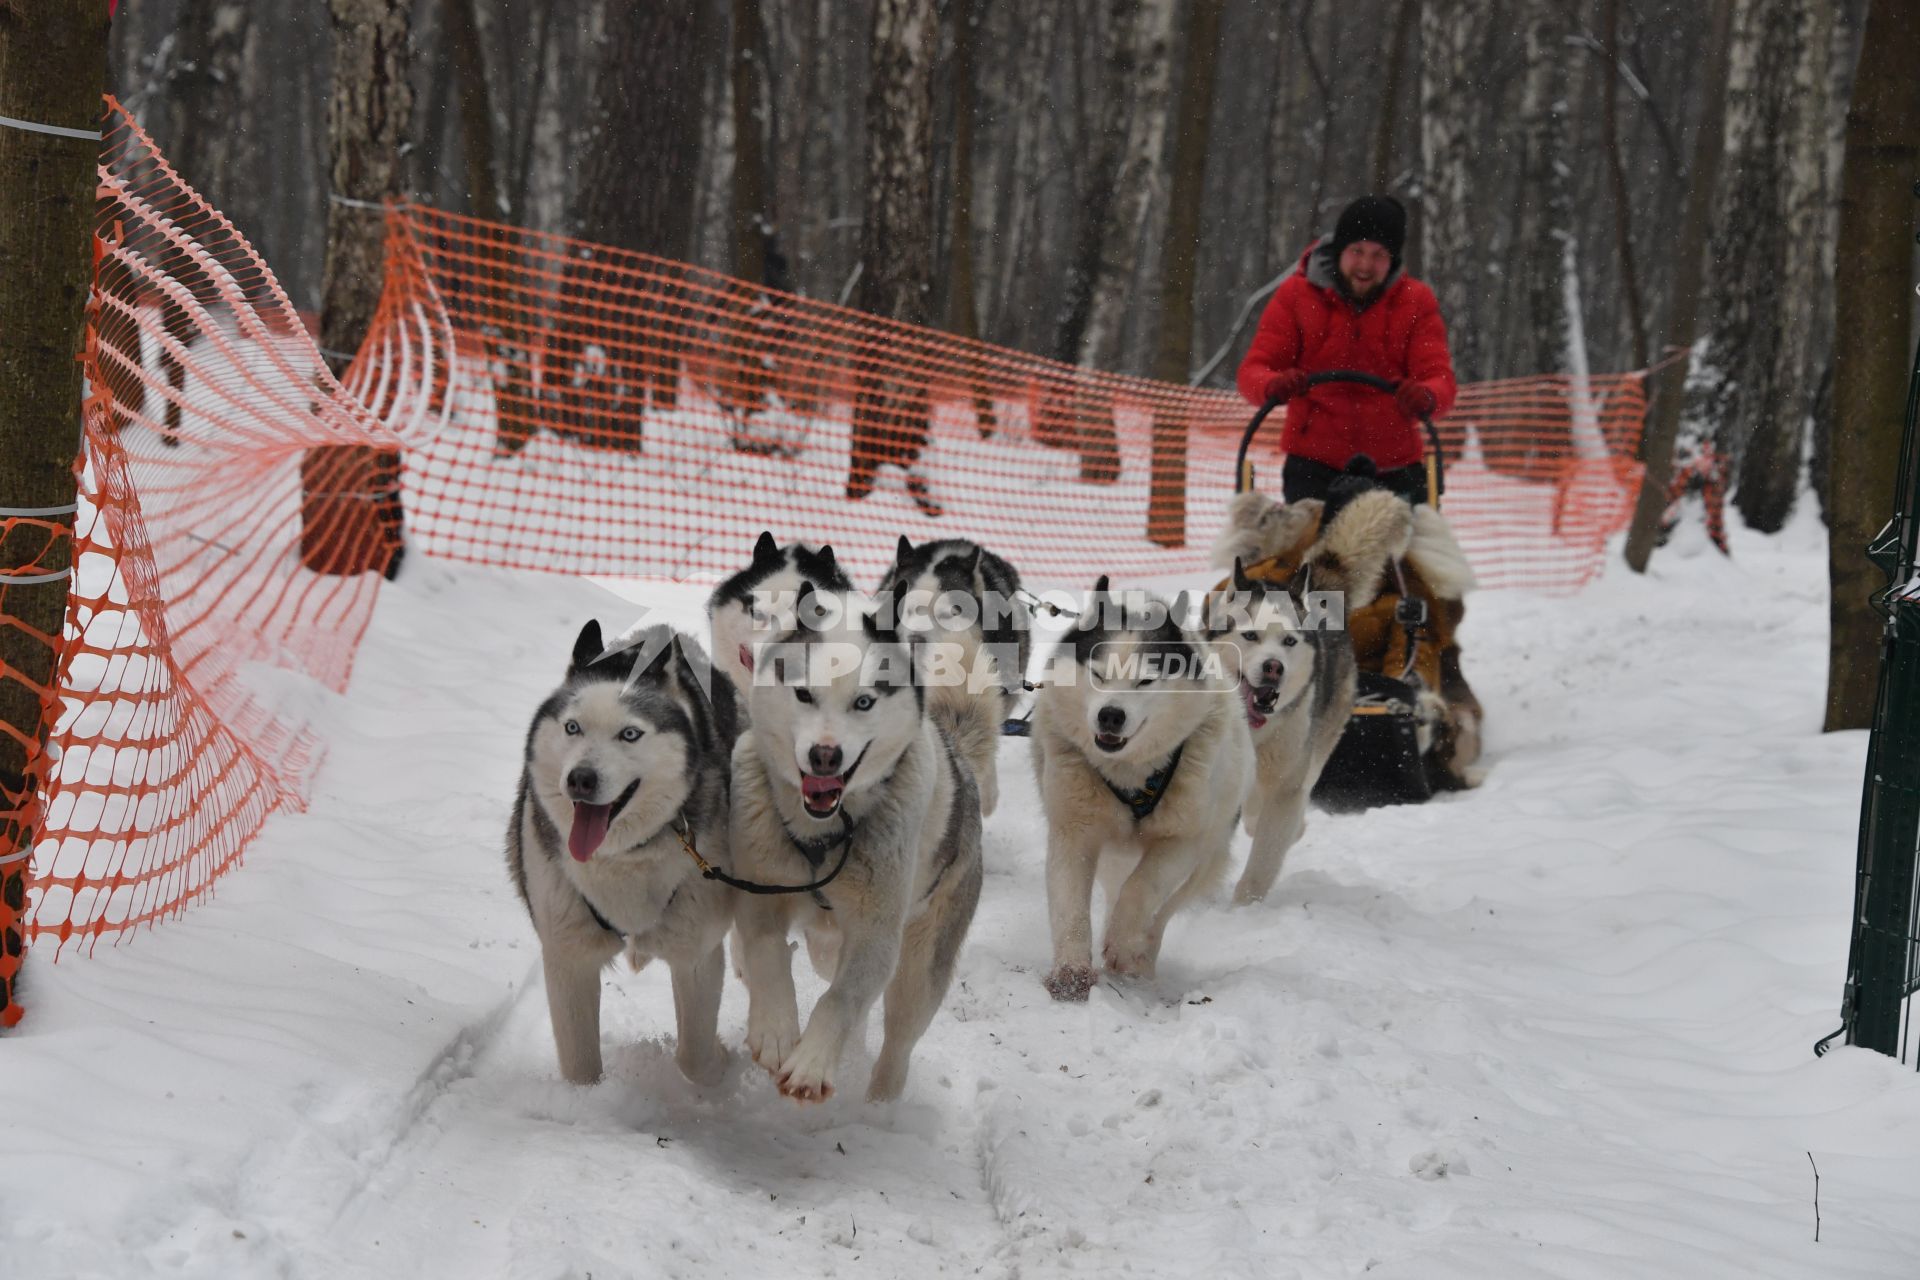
(548, 404)
(36, 548)
(615, 413)
(197, 640)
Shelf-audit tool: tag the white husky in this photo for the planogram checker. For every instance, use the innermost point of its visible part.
(1140, 745)
(844, 784)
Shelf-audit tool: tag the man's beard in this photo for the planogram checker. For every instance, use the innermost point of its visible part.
(1347, 287)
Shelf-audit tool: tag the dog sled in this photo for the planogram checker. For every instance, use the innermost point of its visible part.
(1415, 724)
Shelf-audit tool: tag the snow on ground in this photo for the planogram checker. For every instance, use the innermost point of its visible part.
(1559, 1027)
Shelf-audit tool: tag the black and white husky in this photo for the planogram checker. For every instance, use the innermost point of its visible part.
(960, 603)
(1141, 749)
(843, 782)
(626, 768)
(741, 610)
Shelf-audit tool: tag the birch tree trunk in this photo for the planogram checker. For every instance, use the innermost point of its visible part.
(1546, 200)
(1138, 176)
(1671, 389)
(1770, 467)
(1736, 379)
(1452, 36)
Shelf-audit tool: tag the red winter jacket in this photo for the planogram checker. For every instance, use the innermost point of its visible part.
(1309, 324)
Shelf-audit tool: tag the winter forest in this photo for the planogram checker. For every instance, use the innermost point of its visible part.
(1546, 149)
(1409, 763)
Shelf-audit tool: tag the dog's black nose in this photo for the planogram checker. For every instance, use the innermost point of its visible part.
(1271, 670)
(823, 760)
(1111, 719)
(582, 782)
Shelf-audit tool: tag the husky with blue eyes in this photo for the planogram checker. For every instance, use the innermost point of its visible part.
(626, 772)
(849, 797)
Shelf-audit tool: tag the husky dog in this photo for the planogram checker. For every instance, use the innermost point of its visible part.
(739, 608)
(843, 782)
(1297, 680)
(625, 770)
(961, 598)
(1141, 748)
(1273, 541)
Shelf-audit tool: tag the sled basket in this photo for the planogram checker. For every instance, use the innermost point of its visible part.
(1378, 759)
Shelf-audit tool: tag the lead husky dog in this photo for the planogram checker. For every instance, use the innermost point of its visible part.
(843, 782)
(960, 603)
(626, 767)
(1141, 749)
(743, 611)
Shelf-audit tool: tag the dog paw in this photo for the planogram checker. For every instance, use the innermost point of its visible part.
(771, 1040)
(703, 1066)
(1070, 982)
(1245, 895)
(807, 1074)
(1128, 962)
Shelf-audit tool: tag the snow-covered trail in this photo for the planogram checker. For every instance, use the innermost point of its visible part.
(1561, 1026)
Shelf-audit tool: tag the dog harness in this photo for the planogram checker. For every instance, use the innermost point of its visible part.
(813, 850)
(1144, 799)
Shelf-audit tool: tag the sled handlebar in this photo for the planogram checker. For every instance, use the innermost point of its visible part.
(1243, 474)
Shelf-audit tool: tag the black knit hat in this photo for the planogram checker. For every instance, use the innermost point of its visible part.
(1381, 219)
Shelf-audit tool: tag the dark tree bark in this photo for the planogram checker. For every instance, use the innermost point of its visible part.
(638, 173)
(207, 100)
(1097, 201)
(752, 210)
(1389, 117)
(896, 240)
(638, 183)
(1173, 355)
(350, 494)
(476, 108)
(1873, 299)
(53, 69)
(963, 313)
(1617, 180)
(1669, 391)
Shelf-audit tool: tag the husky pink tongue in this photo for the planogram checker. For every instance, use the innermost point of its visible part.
(1254, 718)
(821, 794)
(589, 829)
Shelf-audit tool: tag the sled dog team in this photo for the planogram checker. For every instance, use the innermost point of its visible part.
(814, 775)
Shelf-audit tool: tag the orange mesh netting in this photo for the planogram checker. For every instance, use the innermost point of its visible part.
(542, 403)
(616, 413)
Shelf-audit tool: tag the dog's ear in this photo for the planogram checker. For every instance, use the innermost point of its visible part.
(826, 558)
(1241, 582)
(903, 551)
(878, 630)
(766, 550)
(1301, 582)
(588, 647)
